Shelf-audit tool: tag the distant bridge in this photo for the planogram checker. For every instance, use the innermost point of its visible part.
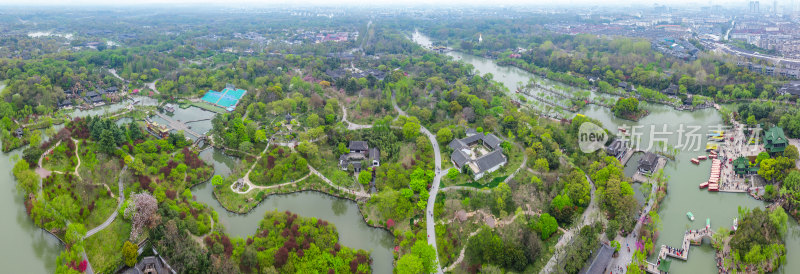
(176, 125)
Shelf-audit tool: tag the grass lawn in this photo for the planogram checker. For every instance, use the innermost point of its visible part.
(104, 249)
(209, 107)
(328, 165)
(58, 159)
(103, 208)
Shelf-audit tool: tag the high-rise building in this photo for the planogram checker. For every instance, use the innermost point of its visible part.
(754, 7)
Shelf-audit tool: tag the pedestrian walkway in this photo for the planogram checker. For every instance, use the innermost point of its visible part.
(691, 237)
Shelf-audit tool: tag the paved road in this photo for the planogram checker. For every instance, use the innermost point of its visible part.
(625, 257)
(350, 125)
(358, 194)
(113, 216)
(586, 219)
(430, 223)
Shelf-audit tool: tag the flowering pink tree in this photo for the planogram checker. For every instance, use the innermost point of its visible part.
(143, 209)
(389, 223)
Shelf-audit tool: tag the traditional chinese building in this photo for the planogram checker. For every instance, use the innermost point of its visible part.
(774, 140)
(741, 166)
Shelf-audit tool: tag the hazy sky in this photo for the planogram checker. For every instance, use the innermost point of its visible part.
(742, 3)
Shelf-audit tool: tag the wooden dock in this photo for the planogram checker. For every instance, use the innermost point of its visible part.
(691, 237)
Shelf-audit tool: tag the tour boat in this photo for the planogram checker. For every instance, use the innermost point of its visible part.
(708, 222)
(702, 157)
(703, 185)
(713, 187)
(695, 161)
(690, 215)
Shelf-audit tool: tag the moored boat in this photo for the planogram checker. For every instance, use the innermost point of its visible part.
(695, 161)
(703, 185)
(703, 157)
(708, 222)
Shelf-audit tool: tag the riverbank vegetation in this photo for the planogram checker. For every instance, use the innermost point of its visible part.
(758, 243)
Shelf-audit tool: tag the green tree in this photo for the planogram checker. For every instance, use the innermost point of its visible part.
(547, 225)
(246, 146)
(107, 141)
(775, 169)
(410, 264)
(791, 188)
(542, 165)
(452, 173)
(364, 177)
(791, 153)
(426, 254)
(312, 120)
(411, 130)
(444, 135)
(129, 253)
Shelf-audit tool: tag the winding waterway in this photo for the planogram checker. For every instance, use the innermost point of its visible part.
(684, 177)
(344, 214)
(26, 248)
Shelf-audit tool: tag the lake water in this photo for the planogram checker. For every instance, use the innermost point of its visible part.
(353, 231)
(684, 177)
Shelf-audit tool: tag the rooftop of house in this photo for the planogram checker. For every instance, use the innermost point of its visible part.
(775, 135)
(649, 159)
(459, 157)
(490, 160)
(358, 145)
(601, 260)
(374, 154)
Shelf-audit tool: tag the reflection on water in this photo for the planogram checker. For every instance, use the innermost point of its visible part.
(353, 231)
(25, 248)
(684, 177)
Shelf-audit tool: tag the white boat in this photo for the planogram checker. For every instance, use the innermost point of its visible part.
(735, 224)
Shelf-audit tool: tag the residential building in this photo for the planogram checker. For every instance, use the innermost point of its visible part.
(479, 153)
(359, 151)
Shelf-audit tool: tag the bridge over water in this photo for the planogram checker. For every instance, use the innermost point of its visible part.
(177, 125)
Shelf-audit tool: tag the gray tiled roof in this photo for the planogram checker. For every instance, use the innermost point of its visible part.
(491, 141)
(456, 144)
(358, 145)
(459, 157)
(490, 160)
(601, 261)
(472, 139)
(374, 154)
(649, 159)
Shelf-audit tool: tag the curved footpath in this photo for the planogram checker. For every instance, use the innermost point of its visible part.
(567, 236)
(430, 223)
(626, 257)
(120, 198)
(351, 125)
